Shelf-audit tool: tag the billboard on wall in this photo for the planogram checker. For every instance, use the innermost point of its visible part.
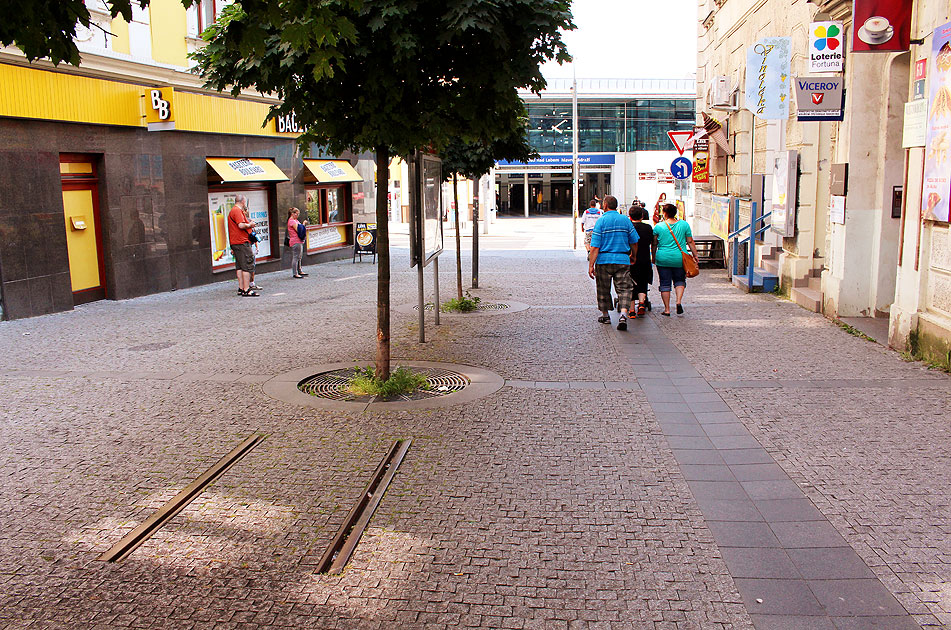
(826, 52)
(720, 216)
(936, 190)
(219, 205)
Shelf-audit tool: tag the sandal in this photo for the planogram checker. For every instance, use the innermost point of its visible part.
(666, 314)
(248, 293)
(604, 319)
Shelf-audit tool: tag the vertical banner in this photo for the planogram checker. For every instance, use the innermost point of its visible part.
(826, 52)
(720, 216)
(881, 25)
(767, 78)
(937, 181)
(701, 157)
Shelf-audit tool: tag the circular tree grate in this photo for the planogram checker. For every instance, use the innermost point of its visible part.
(332, 385)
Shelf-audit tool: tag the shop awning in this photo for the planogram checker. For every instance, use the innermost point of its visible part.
(332, 171)
(246, 170)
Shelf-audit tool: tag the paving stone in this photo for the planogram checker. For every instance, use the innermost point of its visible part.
(829, 563)
(807, 534)
(855, 597)
(778, 597)
(758, 562)
(743, 534)
(778, 510)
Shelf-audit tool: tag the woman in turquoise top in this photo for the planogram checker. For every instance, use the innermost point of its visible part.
(668, 256)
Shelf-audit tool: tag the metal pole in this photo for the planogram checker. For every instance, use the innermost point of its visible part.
(574, 160)
(475, 243)
(436, 285)
(421, 300)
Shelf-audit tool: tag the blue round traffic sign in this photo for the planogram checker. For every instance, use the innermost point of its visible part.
(681, 168)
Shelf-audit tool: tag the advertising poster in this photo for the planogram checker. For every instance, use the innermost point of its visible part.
(366, 238)
(783, 217)
(881, 25)
(320, 237)
(219, 205)
(826, 52)
(937, 183)
(720, 216)
(767, 78)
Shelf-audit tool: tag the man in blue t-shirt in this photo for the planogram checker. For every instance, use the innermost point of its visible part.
(613, 242)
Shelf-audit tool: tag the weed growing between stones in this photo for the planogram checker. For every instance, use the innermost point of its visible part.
(855, 332)
(401, 381)
(461, 305)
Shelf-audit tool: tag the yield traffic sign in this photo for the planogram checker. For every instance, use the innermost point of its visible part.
(680, 138)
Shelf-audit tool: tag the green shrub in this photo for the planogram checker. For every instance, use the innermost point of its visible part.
(463, 305)
(401, 381)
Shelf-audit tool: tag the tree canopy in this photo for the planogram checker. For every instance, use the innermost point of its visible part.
(361, 74)
(47, 28)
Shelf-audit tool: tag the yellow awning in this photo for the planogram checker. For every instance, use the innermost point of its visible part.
(332, 171)
(246, 170)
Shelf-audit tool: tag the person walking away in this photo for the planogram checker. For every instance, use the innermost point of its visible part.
(295, 236)
(588, 219)
(667, 253)
(239, 226)
(613, 242)
(658, 215)
(642, 271)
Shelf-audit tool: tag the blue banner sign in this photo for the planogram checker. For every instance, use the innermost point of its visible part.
(561, 159)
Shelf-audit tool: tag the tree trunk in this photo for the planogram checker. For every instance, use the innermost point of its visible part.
(383, 265)
(455, 200)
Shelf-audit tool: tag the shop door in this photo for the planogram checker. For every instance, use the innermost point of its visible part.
(83, 231)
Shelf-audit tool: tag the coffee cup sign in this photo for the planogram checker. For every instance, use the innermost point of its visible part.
(881, 25)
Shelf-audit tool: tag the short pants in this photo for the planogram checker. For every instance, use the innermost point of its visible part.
(668, 275)
(243, 257)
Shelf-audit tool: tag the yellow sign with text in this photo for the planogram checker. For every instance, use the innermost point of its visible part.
(159, 108)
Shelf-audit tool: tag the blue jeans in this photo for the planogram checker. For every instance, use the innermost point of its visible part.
(668, 275)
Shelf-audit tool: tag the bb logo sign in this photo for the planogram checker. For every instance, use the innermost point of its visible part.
(159, 108)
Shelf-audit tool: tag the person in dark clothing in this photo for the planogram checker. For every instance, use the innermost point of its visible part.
(642, 272)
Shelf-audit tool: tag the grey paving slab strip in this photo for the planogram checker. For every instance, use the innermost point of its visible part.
(791, 567)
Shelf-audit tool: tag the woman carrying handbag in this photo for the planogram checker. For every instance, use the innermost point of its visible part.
(674, 264)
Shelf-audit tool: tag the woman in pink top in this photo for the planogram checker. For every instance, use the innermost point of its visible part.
(295, 229)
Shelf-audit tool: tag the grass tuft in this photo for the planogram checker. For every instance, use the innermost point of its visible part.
(402, 381)
(463, 305)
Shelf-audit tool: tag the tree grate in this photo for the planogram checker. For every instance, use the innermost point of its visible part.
(482, 306)
(332, 385)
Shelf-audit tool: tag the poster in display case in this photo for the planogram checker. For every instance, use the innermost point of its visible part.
(258, 210)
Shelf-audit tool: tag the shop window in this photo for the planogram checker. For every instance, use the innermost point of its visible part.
(260, 209)
(330, 215)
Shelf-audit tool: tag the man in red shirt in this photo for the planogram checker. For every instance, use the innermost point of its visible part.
(238, 228)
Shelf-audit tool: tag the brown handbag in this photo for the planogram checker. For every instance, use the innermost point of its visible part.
(691, 268)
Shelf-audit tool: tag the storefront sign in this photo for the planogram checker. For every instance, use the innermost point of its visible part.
(320, 237)
(230, 170)
(785, 170)
(647, 176)
(837, 209)
(937, 180)
(366, 238)
(818, 98)
(881, 25)
(916, 124)
(767, 78)
(826, 52)
(560, 160)
(288, 124)
(159, 108)
(720, 216)
(219, 205)
(701, 167)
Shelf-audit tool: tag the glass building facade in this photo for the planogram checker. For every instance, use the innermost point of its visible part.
(609, 127)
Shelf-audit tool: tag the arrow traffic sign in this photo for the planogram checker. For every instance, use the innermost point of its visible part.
(681, 168)
(680, 138)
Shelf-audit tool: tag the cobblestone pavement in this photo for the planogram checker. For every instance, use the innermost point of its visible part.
(553, 503)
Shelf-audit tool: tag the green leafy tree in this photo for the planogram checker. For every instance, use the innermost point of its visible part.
(472, 160)
(47, 28)
(388, 76)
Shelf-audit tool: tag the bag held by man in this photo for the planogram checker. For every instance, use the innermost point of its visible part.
(691, 268)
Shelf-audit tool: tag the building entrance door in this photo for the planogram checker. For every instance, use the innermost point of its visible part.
(83, 229)
(560, 198)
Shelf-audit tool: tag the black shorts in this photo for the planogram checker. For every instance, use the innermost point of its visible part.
(243, 257)
(643, 277)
